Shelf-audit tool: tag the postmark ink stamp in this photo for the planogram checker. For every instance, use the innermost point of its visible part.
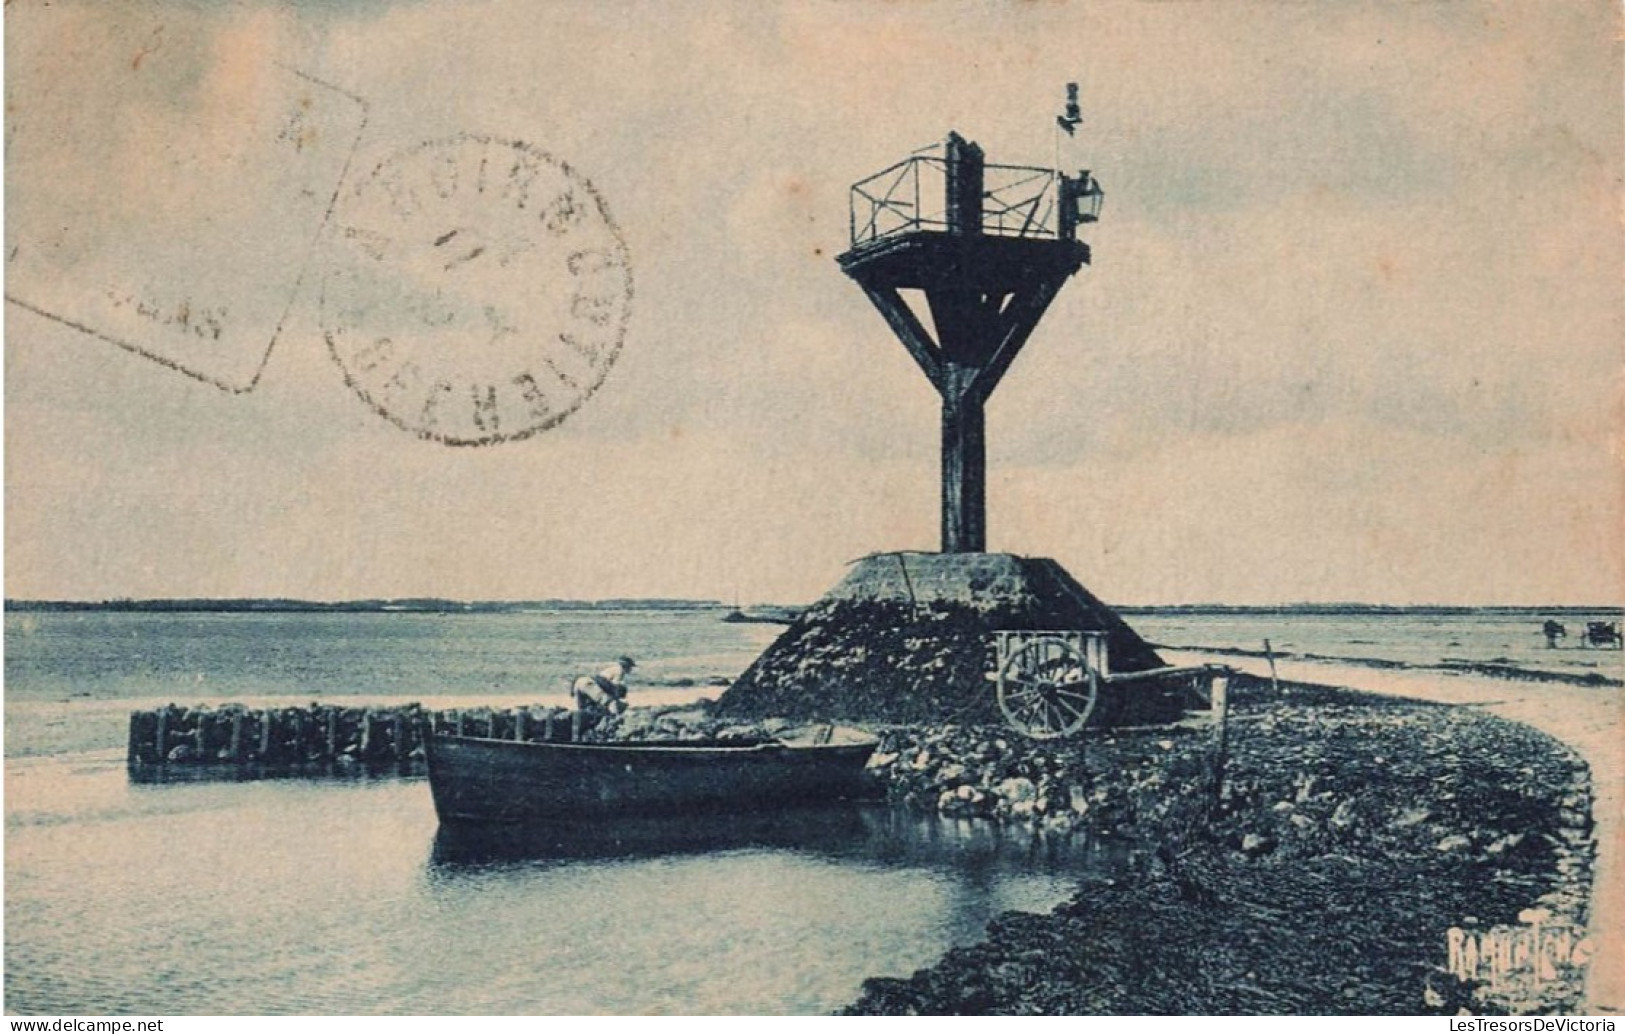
(479, 291)
(166, 202)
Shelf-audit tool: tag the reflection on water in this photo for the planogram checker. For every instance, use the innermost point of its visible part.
(867, 833)
(340, 898)
(807, 829)
(783, 912)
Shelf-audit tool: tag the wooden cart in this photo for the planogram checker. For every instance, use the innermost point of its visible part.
(1050, 683)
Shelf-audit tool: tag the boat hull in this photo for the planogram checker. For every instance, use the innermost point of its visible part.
(503, 781)
(834, 828)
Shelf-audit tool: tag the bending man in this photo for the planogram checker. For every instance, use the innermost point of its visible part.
(596, 696)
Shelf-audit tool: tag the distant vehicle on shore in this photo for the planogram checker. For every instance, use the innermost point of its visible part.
(1598, 634)
(1604, 634)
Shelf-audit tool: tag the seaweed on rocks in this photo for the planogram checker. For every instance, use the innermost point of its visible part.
(1353, 835)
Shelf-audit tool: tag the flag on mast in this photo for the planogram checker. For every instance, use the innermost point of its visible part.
(1074, 114)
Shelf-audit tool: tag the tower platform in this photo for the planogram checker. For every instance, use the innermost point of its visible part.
(935, 260)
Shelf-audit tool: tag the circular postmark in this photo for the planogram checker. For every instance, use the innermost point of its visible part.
(480, 293)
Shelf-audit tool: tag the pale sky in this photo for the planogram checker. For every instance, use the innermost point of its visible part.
(1353, 330)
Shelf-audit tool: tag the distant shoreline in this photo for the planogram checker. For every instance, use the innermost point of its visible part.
(1498, 669)
(431, 605)
(1356, 609)
(407, 606)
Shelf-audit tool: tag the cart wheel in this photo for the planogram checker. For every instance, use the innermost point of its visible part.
(1044, 689)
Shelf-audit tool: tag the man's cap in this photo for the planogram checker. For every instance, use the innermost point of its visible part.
(628, 663)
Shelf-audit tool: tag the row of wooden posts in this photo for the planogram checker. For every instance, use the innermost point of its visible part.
(321, 734)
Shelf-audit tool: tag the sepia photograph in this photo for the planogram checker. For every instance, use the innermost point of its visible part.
(1091, 507)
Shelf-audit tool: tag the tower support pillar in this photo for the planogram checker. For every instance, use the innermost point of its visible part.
(964, 464)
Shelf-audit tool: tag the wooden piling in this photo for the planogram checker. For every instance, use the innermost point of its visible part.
(1219, 692)
(1269, 653)
(134, 744)
(521, 723)
(160, 737)
(297, 736)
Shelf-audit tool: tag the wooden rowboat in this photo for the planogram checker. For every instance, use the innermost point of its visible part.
(480, 780)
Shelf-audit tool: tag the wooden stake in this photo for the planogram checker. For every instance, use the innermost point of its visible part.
(161, 737)
(1269, 652)
(133, 750)
(1219, 693)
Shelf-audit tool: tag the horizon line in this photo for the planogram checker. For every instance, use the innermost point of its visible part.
(129, 602)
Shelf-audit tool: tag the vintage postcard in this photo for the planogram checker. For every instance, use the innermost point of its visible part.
(802, 507)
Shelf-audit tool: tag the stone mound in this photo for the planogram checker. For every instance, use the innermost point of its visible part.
(907, 637)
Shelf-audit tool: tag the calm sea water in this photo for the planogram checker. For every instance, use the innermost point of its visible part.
(105, 664)
(340, 897)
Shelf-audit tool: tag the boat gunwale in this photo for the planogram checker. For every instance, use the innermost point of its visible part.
(672, 747)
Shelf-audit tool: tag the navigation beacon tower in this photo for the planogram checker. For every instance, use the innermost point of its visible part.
(983, 250)
(989, 247)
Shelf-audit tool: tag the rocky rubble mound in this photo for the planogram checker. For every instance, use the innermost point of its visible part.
(1356, 834)
(908, 639)
(1105, 783)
